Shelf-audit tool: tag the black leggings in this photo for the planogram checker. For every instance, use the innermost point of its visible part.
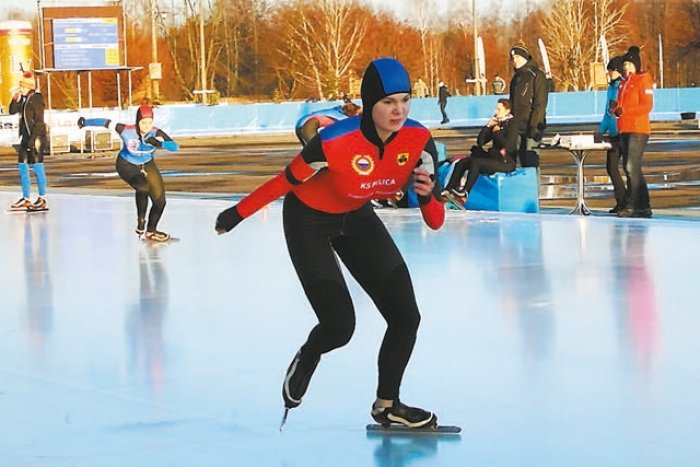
(361, 241)
(475, 165)
(148, 183)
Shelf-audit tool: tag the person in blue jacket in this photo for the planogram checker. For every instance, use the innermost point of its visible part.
(136, 166)
(608, 126)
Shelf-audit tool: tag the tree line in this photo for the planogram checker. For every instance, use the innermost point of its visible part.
(261, 50)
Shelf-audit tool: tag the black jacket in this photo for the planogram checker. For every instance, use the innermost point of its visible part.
(31, 110)
(505, 138)
(443, 94)
(528, 99)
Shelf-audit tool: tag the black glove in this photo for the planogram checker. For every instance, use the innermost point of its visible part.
(227, 220)
(153, 141)
(81, 122)
(535, 134)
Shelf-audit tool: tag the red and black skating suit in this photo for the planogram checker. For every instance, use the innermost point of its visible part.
(327, 211)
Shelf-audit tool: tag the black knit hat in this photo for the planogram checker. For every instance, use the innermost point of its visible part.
(632, 56)
(615, 63)
(520, 50)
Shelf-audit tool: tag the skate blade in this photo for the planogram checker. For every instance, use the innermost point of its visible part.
(404, 430)
(25, 211)
(455, 201)
(149, 241)
(284, 418)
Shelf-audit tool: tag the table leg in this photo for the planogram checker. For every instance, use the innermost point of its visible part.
(581, 208)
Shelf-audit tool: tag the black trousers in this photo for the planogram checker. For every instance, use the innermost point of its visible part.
(443, 105)
(478, 163)
(361, 241)
(633, 145)
(612, 166)
(148, 183)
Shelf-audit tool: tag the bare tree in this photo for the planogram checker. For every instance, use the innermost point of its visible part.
(608, 22)
(571, 31)
(183, 43)
(322, 41)
(423, 11)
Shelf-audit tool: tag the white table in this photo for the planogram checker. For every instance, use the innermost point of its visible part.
(579, 152)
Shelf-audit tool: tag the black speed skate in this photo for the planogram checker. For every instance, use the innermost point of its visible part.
(410, 417)
(297, 379)
(140, 227)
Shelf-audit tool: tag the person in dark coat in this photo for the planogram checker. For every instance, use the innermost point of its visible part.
(528, 98)
(29, 104)
(443, 94)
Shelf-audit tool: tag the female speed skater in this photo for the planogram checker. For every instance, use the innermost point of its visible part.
(136, 166)
(327, 212)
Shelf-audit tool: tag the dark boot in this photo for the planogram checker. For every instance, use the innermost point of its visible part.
(412, 417)
(297, 379)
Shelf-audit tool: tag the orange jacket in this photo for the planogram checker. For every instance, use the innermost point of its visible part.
(636, 99)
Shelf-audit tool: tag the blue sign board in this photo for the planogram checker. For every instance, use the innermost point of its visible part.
(86, 43)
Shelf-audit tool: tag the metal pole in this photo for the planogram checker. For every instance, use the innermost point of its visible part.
(661, 62)
(119, 90)
(202, 59)
(128, 104)
(476, 50)
(155, 91)
(42, 53)
(80, 93)
(48, 90)
(124, 47)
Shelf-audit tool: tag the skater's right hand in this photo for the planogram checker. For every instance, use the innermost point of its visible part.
(81, 122)
(227, 220)
(153, 141)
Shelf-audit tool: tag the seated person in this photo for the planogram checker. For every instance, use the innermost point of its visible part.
(309, 125)
(500, 157)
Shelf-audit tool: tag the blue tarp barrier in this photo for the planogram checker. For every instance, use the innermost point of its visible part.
(463, 111)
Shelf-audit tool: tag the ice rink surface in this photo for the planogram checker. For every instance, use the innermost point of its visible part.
(553, 340)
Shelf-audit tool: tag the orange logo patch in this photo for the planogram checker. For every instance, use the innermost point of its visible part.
(363, 165)
(402, 158)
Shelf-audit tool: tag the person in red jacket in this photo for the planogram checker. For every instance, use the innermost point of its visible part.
(635, 101)
(327, 215)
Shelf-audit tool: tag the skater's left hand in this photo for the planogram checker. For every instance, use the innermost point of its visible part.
(422, 182)
(227, 220)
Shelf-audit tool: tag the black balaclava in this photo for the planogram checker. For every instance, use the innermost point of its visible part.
(383, 77)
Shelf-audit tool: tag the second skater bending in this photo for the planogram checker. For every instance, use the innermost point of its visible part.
(136, 166)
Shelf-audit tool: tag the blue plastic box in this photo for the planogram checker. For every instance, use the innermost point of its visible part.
(517, 191)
